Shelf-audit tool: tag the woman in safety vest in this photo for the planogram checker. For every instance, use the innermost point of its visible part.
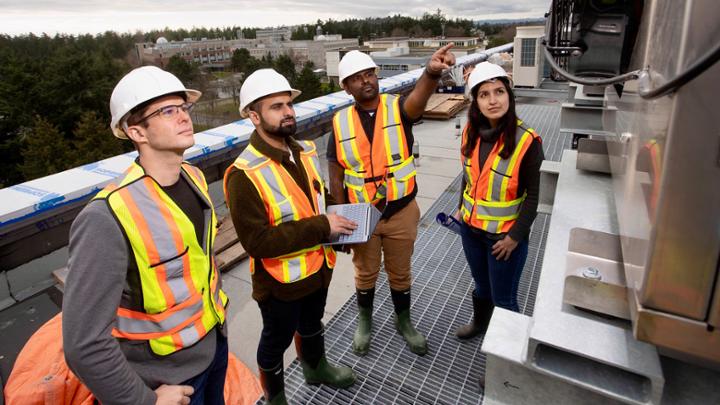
(501, 159)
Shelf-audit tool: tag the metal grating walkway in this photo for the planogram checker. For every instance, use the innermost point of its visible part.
(449, 373)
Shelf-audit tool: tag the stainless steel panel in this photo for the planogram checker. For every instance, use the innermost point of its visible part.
(686, 236)
(669, 209)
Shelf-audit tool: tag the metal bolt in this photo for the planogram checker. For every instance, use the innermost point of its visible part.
(592, 273)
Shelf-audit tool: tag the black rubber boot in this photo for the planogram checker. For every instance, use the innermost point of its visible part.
(273, 385)
(482, 312)
(361, 338)
(316, 369)
(416, 342)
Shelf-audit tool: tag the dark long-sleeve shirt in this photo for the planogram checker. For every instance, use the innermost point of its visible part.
(262, 240)
(101, 269)
(529, 181)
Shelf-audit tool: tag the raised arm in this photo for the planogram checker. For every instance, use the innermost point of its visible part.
(415, 102)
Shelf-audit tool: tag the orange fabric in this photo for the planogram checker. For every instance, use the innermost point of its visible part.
(241, 385)
(41, 376)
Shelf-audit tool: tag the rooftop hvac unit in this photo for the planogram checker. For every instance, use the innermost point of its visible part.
(593, 38)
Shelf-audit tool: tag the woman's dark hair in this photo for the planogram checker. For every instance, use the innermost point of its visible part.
(478, 122)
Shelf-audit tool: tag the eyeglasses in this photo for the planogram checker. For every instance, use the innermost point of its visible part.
(169, 111)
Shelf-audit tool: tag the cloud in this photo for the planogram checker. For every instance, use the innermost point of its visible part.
(76, 16)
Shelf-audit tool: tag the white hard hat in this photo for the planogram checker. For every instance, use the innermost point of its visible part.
(261, 83)
(485, 71)
(353, 62)
(140, 85)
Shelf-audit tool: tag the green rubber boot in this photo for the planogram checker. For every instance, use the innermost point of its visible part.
(273, 385)
(416, 342)
(361, 339)
(324, 373)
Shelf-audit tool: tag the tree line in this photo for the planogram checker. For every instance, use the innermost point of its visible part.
(54, 94)
(395, 26)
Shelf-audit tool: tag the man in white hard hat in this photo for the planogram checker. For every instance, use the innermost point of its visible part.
(370, 160)
(143, 311)
(277, 200)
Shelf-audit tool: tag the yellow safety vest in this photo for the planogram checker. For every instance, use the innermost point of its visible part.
(383, 168)
(285, 201)
(181, 298)
(490, 200)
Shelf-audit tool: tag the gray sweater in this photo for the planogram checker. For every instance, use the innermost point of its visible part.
(116, 371)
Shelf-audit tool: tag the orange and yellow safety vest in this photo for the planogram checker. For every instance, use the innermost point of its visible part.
(285, 201)
(490, 198)
(383, 168)
(181, 298)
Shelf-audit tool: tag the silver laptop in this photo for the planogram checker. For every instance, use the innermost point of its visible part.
(364, 214)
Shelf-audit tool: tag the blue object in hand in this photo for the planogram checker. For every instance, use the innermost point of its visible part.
(449, 222)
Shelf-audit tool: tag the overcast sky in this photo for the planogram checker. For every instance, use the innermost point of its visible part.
(93, 16)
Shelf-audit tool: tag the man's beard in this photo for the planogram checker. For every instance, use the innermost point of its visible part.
(281, 131)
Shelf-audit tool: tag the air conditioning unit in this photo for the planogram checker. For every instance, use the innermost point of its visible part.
(593, 38)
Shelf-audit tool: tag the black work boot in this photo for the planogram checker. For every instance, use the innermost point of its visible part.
(273, 385)
(482, 312)
(316, 369)
(361, 338)
(416, 342)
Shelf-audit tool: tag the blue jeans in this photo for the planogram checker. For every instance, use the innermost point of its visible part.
(494, 280)
(210, 384)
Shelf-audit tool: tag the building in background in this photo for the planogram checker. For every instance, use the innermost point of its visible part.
(216, 53)
(279, 34)
(213, 53)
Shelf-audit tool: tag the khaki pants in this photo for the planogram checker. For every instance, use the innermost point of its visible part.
(394, 239)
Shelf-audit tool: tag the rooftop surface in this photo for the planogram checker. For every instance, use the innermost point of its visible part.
(440, 303)
(390, 373)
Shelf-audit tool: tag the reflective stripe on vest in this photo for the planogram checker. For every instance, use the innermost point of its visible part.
(490, 200)
(384, 168)
(181, 300)
(285, 201)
